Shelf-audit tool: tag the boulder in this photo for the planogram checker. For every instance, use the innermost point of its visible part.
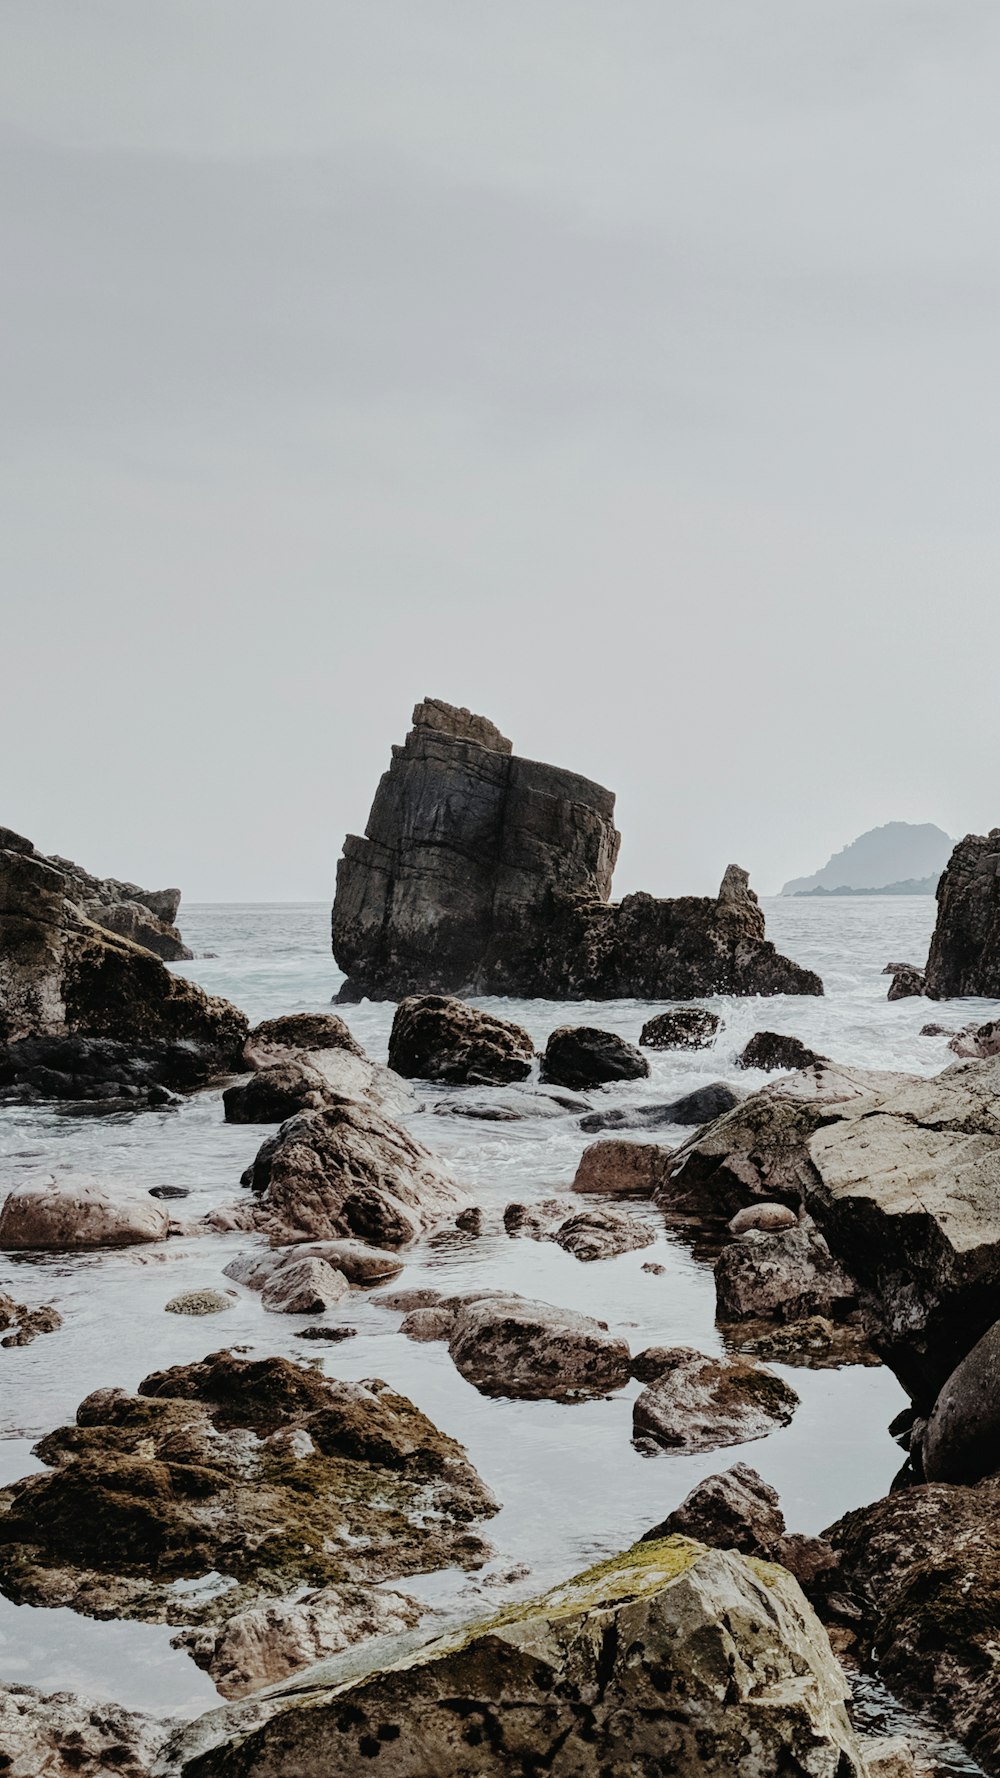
(273, 1094)
(303, 1287)
(146, 916)
(484, 873)
(887, 1756)
(683, 1028)
(901, 1176)
(918, 1582)
(356, 1262)
(266, 1644)
(580, 1056)
(437, 1037)
(736, 1510)
(64, 976)
(907, 984)
(670, 1657)
(349, 1171)
(701, 1404)
(633, 1169)
(697, 1107)
(514, 1106)
(767, 1217)
(199, 1302)
(79, 1213)
(602, 1233)
(64, 1735)
(269, 1472)
(506, 1345)
(784, 1274)
(297, 1031)
(962, 1440)
(979, 1041)
(964, 957)
(771, 1050)
(538, 1219)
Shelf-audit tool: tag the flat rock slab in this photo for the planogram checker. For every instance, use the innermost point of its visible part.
(670, 1657)
(703, 1404)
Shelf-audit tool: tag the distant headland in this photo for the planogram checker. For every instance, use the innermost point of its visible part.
(900, 858)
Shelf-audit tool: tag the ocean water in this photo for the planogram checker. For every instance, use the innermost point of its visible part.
(572, 1487)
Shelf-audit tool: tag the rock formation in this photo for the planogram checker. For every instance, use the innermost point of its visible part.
(70, 988)
(669, 1658)
(964, 956)
(692, 1402)
(485, 873)
(146, 916)
(436, 1037)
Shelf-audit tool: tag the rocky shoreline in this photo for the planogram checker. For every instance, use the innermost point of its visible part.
(282, 1520)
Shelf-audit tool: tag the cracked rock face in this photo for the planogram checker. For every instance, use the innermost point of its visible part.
(64, 1735)
(668, 1658)
(964, 957)
(260, 1471)
(902, 1177)
(484, 873)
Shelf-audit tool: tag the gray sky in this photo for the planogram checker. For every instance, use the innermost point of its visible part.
(626, 370)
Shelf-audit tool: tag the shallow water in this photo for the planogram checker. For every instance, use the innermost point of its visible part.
(571, 1485)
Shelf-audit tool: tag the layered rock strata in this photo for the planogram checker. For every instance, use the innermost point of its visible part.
(146, 916)
(484, 873)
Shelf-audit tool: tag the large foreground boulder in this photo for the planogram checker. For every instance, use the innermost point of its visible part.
(902, 1177)
(485, 873)
(918, 1583)
(259, 1469)
(349, 1171)
(964, 957)
(438, 1037)
(64, 976)
(670, 1658)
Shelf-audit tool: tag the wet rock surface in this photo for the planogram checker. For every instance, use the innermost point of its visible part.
(580, 1056)
(979, 1041)
(601, 1233)
(633, 1168)
(736, 1510)
(481, 872)
(964, 956)
(771, 1050)
(79, 1214)
(670, 1657)
(697, 1403)
(698, 1107)
(270, 1041)
(907, 984)
(270, 1095)
(437, 1037)
(507, 1345)
(20, 1324)
(260, 1470)
(350, 1171)
(784, 1274)
(683, 1028)
(64, 1735)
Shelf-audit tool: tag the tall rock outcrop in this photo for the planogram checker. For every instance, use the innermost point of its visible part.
(965, 949)
(484, 873)
(146, 916)
(69, 984)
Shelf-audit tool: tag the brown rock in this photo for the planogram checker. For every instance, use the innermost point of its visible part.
(509, 1346)
(79, 1214)
(786, 1274)
(766, 1217)
(702, 1404)
(736, 1510)
(304, 1287)
(602, 1233)
(634, 1169)
(437, 1037)
(64, 1735)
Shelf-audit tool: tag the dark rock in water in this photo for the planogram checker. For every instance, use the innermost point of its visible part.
(539, 1219)
(736, 1510)
(938, 1031)
(669, 1658)
(169, 1191)
(919, 1574)
(330, 1334)
(262, 1470)
(350, 1171)
(485, 873)
(698, 1403)
(273, 1094)
(65, 978)
(601, 1233)
(902, 1177)
(581, 1056)
(685, 1028)
(633, 1168)
(697, 1107)
(907, 984)
(964, 957)
(977, 1041)
(771, 1050)
(508, 1346)
(437, 1037)
(962, 1440)
(810, 1341)
(24, 1323)
(783, 1274)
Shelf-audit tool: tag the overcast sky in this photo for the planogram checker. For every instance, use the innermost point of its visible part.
(627, 371)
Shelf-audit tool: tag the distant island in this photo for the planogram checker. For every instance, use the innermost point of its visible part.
(901, 858)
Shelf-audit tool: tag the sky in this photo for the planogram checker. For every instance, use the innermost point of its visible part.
(626, 370)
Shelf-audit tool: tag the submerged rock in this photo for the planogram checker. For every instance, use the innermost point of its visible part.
(964, 957)
(683, 1028)
(437, 1037)
(633, 1168)
(698, 1403)
(350, 1171)
(602, 1233)
(62, 976)
(78, 1213)
(697, 1107)
(581, 1056)
(485, 873)
(771, 1050)
(198, 1302)
(260, 1470)
(24, 1323)
(64, 1735)
(669, 1657)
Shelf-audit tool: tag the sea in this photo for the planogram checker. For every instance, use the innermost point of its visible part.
(572, 1486)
